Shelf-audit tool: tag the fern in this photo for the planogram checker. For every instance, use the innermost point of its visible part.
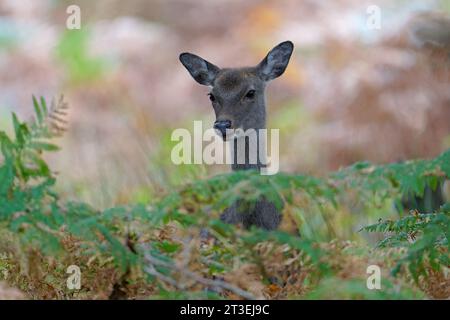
(23, 155)
(133, 235)
(425, 236)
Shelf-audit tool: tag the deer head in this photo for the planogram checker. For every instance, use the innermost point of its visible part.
(237, 94)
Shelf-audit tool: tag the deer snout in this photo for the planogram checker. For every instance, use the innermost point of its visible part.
(221, 127)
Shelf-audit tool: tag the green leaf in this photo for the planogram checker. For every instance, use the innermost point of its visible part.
(37, 110)
(44, 106)
(168, 247)
(17, 129)
(39, 145)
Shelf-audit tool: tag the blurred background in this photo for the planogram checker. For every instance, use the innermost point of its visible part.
(350, 93)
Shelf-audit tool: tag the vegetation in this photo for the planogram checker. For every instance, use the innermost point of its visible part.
(176, 247)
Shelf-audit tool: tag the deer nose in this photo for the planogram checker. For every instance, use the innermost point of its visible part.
(222, 126)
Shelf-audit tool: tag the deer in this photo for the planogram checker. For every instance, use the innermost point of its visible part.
(238, 98)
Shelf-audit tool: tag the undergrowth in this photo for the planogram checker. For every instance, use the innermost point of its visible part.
(156, 251)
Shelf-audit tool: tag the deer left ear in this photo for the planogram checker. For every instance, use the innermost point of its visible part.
(202, 71)
(276, 61)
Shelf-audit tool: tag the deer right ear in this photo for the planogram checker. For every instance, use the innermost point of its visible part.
(201, 70)
(276, 61)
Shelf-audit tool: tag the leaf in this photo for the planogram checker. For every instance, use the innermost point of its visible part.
(18, 129)
(168, 247)
(39, 145)
(6, 177)
(37, 110)
(44, 106)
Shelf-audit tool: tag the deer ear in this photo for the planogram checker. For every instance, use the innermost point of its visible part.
(276, 61)
(201, 70)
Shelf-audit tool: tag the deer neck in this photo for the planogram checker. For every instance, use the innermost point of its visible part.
(250, 144)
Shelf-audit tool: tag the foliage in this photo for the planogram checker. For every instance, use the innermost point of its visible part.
(73, 53)
(158, 248)
(425, 236)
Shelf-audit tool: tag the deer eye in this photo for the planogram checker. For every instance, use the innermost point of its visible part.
(250, 94)
(211, 97)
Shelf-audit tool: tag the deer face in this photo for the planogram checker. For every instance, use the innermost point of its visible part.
(237, 94)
